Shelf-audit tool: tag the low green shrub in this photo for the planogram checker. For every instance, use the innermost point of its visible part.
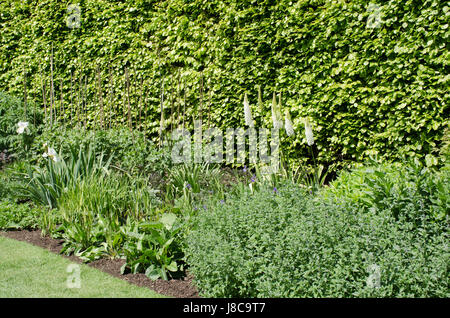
(282, 242)
(11, 181)
(18, 216)
(408, 189)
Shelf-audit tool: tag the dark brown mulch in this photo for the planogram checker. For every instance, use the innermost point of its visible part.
(179, 288)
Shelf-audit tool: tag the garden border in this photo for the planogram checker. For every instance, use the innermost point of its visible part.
(178, 288)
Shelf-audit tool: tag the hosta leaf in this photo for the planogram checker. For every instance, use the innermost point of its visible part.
(172, 266)
(152, 272)
(123, 268)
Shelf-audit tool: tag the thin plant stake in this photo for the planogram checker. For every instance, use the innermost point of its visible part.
(161, 126)
(140, 103)
(184, 103)
(61, 103)
(85, 102)
(128, 98)
(111, 98)
(100, 99)
(25, 92)
(71, 98)
(43, 93)
(52, 97)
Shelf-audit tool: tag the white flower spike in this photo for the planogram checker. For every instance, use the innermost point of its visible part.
(288, 124)
(276, 114)
(247, 112)
(22, 126)
(309, 133)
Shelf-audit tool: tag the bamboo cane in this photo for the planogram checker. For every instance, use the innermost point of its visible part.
(178, 100)
(111, 101)
(71, 98)
(140, 104)
(80, 101)
(25, 92)
(61, 105)
(161, 126)
(52, 97)
(34, 104)
(84, 102)
(44, 100)
(128, 98)
(184, 104)
(171, 108)
(100, 97)
(201, 97)
(209, 107)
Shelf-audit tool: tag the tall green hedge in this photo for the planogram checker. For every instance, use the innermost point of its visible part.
(367, 89)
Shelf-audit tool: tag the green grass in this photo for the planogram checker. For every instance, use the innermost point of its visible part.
(29, 271)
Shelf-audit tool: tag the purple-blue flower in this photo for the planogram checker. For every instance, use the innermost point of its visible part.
(188, 186)
(275, 190)
(245, 169)
(253, 179)
(222, 201)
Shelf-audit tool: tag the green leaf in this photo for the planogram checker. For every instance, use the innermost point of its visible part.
(123, 268)
(172, 266)
(152, 272)
(168, 219)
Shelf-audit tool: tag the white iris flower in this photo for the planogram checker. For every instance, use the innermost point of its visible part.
(51, 153)
(22, 126)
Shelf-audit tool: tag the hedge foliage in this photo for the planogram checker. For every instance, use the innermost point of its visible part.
(373, 77)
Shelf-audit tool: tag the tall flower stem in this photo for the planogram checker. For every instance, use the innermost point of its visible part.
(315, 178)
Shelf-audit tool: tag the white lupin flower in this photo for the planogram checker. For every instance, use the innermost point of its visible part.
(247, 112)
(309, 133)
(22, 126)
(288, 124)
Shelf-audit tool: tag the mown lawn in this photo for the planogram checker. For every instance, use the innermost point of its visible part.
(29, 271)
